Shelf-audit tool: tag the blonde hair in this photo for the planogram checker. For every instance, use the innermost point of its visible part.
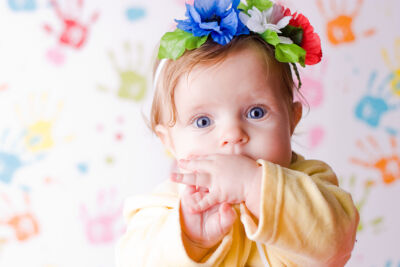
(209, 53)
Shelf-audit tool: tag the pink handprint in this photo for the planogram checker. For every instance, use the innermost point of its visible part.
(182, 2)
(312, 89)
(103, 225)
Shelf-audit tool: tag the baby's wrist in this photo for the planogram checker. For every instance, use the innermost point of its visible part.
(186, 237)
(195, 250)
(253, 193)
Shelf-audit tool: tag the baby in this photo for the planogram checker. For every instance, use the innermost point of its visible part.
(224, 108)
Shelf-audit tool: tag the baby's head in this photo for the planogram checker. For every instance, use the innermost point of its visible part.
(230, 99)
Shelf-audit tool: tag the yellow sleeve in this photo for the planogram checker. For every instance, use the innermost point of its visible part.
(305, 218)
(153, 235)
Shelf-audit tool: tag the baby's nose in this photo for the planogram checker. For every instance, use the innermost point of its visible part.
(234, 135)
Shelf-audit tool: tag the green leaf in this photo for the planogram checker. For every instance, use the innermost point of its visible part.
(294, 33)
(243, 7)
(173, 44)
(195, 42)
(271, 37)
(290, 53)
(262, 4)
(259, 4)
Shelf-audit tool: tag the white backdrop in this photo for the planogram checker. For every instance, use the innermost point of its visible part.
(75, 79)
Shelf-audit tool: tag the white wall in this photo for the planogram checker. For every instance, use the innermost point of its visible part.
(71, 147)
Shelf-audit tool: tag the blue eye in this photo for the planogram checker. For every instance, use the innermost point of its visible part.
(203, 122)
(256, 113)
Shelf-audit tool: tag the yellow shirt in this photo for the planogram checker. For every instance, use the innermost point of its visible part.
(305, 220)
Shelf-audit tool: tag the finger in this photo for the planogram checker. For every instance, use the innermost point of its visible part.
(220, 222)
(191, 197)
(189, 190)
(196, 165)
(203, 189)
(188, 202)
(195, 179)
(205, 202)
(227, 217)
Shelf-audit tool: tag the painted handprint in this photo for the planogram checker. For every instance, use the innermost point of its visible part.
(386, 164)
(354, 186)
(135, 13)
(17, 216)
(183, 2)
(339, 26)
(376, 104)
(390, 263)
(75, 32)
(133, 85)
(316, 136)
(14, 154)
(102, 223)
(311, 95)
(395, 68)
(22, 5)
(39, 122)
(312, 89)
(110, 132)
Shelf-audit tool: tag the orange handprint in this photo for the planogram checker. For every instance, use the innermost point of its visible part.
(387, 165)
(23, 223)
(340, 28)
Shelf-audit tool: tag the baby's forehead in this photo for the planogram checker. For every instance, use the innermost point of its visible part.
(244, 69)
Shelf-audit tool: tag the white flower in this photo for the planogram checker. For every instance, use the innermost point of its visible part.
(270, 19)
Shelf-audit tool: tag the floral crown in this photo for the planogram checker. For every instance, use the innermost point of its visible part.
(291, 35)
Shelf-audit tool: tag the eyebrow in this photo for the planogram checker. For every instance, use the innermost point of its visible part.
(198, 107)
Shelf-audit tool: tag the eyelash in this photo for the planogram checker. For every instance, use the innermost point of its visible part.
(194, 120)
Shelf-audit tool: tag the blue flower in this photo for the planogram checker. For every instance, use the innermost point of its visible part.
(220, 18)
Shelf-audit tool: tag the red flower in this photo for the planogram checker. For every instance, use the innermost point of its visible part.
(311, 41)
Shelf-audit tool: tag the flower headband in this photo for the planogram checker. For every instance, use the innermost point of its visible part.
(291, 35)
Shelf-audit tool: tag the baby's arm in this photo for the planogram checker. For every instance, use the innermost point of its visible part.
(300, 214)
(154, 234)
(305, 218)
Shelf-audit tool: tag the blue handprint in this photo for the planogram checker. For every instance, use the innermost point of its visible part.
(9, 164)
(22, 5)
(11, 160)
(374, 106)
(135, 13)
(389, 264)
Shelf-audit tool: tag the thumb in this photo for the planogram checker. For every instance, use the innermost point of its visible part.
(227, 217)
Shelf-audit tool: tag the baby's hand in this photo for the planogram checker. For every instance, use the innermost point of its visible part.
(205, 229)
(228, 178)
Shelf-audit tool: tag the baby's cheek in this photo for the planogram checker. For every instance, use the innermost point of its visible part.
(276, 150)
(190, 150)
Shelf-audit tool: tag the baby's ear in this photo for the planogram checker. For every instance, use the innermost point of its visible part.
(163, 133)
(297, 112)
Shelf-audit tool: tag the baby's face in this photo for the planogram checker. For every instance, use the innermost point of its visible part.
(232, 108)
